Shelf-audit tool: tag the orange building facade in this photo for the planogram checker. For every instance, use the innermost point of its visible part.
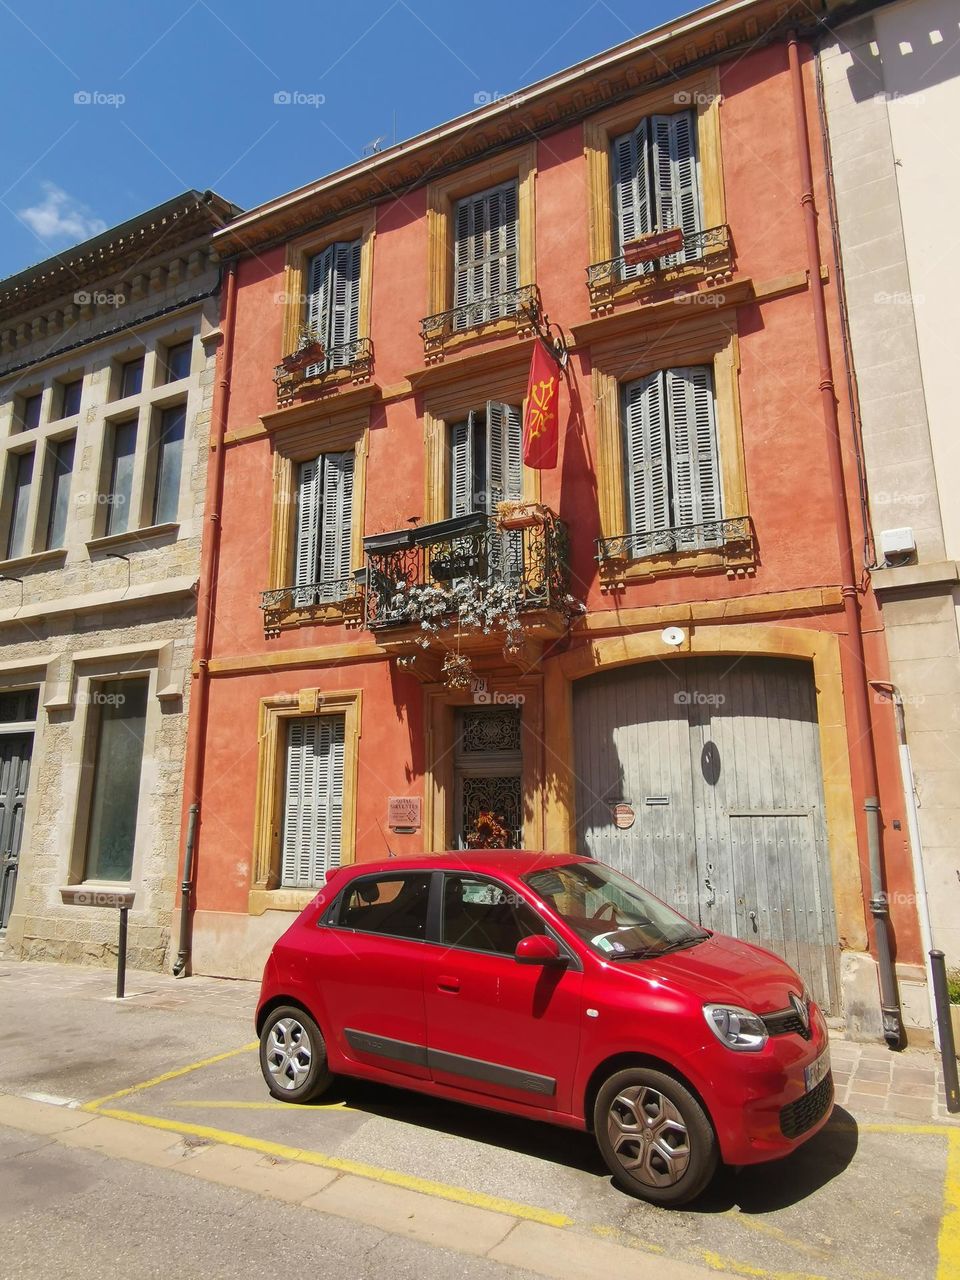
(661, 666)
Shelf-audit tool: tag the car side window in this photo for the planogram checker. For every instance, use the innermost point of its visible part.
(394, 905)
(484, 916)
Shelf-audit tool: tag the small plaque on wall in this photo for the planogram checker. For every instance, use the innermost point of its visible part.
(623, 816)
(404, 813)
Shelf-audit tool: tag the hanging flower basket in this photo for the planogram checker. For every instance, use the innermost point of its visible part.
(520, 515)
(457, 671)
(488, 832)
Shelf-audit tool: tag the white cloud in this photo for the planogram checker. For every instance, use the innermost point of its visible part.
(58, 216)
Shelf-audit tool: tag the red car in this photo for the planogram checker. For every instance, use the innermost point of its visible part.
(550, 986)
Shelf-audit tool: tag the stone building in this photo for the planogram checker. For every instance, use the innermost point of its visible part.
(106, 373)
(891, 84)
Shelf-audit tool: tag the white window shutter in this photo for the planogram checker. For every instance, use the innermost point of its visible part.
(631, 170)
(313, 800)
(677, 178)
(461, 467)
(695, 462)
(308, 522)
(345, 322)
(644, 412)
(336, 523)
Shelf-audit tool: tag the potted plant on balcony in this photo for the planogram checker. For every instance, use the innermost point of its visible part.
(520, 515)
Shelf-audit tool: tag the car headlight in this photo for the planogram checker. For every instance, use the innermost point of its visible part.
(735, 1027)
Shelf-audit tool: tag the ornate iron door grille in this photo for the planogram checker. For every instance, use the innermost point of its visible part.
(487, 765)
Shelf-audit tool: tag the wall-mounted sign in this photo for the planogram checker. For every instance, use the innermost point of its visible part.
(623, 816)
(404, 813)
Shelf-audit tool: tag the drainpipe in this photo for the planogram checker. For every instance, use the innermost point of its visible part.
(206, 591)
(889, 1001)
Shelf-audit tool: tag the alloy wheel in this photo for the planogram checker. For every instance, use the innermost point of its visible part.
(289, 1053)
(649, 1136)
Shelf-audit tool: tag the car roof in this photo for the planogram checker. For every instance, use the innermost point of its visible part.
(517, 862)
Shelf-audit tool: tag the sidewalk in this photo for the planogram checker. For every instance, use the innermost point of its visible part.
(907, 1084)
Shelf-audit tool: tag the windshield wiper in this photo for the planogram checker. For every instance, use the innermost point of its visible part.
(643, 953)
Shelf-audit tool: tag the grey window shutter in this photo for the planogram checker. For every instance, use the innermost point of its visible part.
(319, 277)
(505, 481)
(313, 800)
(695, 463)
(335, 538)
(308, 522)
(631, 173)
(677, 178)
(461, 466)
(486, 260)
(345, 322)
(645, 447)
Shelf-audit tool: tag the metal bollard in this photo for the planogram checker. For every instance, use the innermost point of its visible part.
(948, 1050)
(122, 952)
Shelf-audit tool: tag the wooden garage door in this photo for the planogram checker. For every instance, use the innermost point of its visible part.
(719, 759)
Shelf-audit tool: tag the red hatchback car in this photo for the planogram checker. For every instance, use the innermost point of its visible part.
(553, 987)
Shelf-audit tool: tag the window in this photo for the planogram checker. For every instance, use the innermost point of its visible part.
(121, 708)
(120, 487)
(313, 800)
(168, 461)
(484, 916)
(657, 186)
(486, 260)
(70, 395)
(29, 415)
(131, 378)
(672, 468)
(20, 479)
(333, 303)
(177, 362)
(60, 464)
(393, 905)
(322, 551)
(486, 459)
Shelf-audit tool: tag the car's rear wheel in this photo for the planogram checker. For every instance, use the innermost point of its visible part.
(293, 1055)
(655, 1136)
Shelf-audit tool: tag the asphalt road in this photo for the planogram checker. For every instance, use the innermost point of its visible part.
(861, 1201)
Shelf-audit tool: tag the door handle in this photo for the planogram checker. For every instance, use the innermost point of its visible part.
(452, 985)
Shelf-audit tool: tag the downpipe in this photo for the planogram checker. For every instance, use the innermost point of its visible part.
(186, 892)
(879, 908)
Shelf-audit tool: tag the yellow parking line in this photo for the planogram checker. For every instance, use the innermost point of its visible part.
(730, 1266)
(948, 1243)
(460, 1195)
(97, 1103)
(947, 1129)
(264, 1106)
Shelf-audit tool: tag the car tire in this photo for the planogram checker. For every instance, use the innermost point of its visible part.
(293, 1055)
(655, 1136)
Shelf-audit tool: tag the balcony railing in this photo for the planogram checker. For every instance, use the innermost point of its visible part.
(294, 373)
(523, 302)
(734, 536)
(710, 249)
(340, 595)
(418, 575)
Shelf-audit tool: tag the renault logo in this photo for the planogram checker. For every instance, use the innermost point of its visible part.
(803, 1013)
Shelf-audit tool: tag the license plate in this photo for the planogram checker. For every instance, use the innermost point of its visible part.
(816, 1071)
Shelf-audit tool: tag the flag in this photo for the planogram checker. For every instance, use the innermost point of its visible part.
(541, 423)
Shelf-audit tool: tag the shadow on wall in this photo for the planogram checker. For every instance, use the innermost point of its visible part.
(903, 50)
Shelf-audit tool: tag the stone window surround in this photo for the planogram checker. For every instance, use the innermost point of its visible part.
(265, 893)
(154, 396)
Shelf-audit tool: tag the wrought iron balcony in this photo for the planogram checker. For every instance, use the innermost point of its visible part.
(710, 250)
(524, 303)
(312, 362)
(734, 537)
(342, 597)
(466, 566)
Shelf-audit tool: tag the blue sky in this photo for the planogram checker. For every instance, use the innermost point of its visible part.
(112, 106)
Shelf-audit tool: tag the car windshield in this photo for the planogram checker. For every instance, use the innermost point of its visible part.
(612, 914)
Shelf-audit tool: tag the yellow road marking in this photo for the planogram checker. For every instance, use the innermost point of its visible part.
(946, 1129)
(948, 1243)
(774, 1233)
(97, 1103)
(264, 1106)
(719, 1263)
(460, 1195)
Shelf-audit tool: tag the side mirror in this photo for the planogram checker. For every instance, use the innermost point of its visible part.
(540, 948)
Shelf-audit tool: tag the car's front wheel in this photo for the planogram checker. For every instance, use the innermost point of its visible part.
(655, 1136)
(293, 1055)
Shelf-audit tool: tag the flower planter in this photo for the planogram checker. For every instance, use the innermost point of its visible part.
(520, 515)
(658, 244)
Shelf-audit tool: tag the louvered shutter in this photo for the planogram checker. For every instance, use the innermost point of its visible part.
(503, 275)
(645, 443)
(504, 482)
(676, 179)
(319, 302)
(308, 523)
(313, 800)
(631, 163)
(461, 467)
(695, 465)
(345, 322)
(336, 522)
(486, 260)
